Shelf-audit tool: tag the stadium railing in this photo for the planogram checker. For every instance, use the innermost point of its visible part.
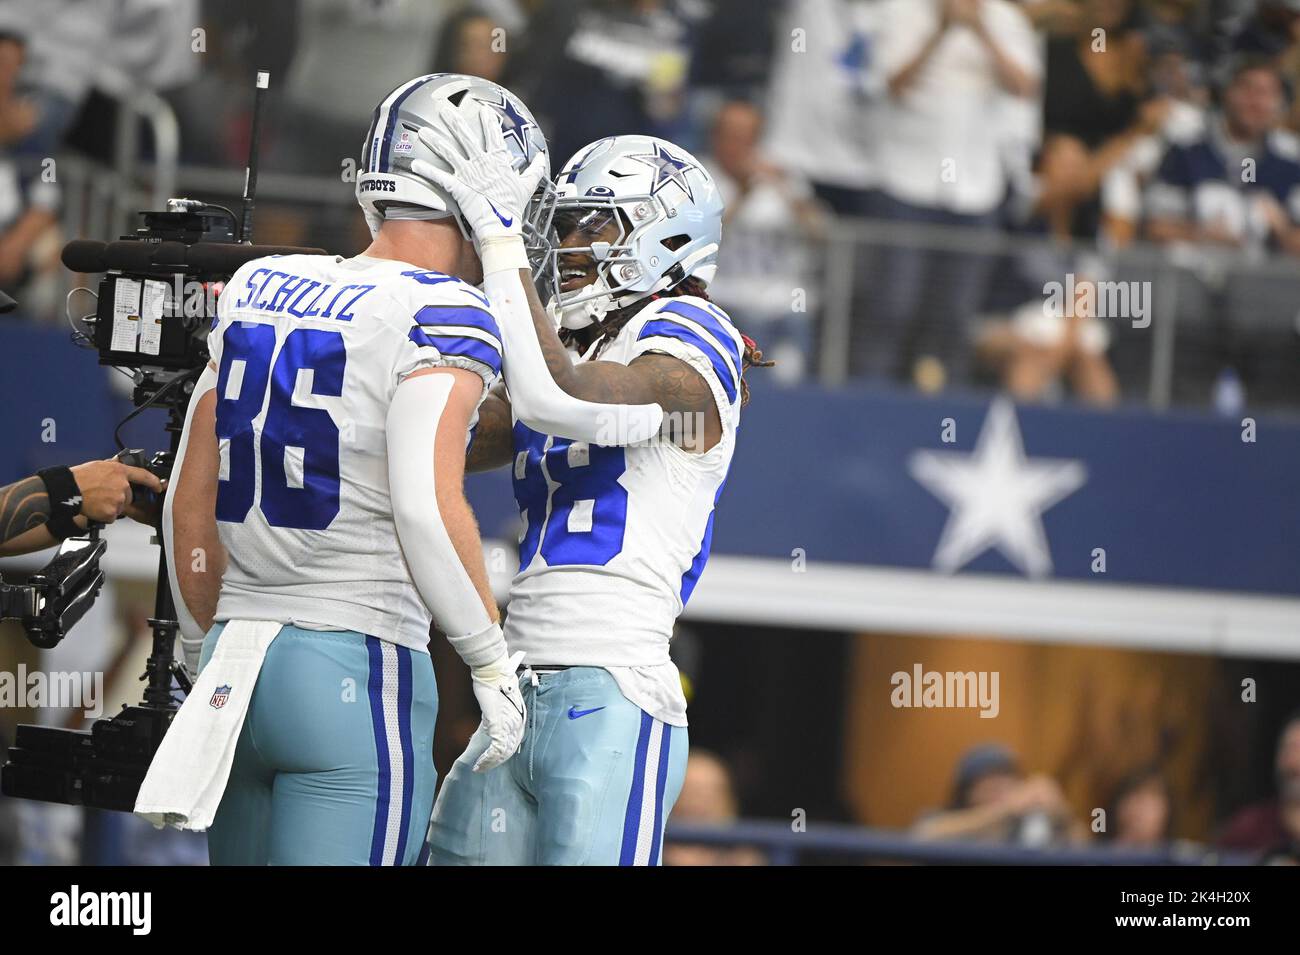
(99, 200)
(1208, 306)
(780, 844)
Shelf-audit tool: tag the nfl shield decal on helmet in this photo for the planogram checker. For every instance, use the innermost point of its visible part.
(219, 697)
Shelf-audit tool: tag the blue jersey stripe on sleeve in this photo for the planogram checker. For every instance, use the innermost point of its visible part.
(459, 315)
(670, 329)
(709, 323)
(692, 575)
(461, 347)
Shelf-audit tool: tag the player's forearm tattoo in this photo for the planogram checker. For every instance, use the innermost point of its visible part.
(493, 436)
(675, 385)
(23, 505)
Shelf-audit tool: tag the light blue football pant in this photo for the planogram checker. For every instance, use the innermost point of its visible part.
(593, 783)
(334, 765)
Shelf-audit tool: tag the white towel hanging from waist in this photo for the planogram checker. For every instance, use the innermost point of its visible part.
(188, 775)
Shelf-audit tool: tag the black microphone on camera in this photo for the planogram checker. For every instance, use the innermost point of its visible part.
(130, 255)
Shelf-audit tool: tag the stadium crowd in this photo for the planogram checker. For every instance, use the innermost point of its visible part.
(970, 131)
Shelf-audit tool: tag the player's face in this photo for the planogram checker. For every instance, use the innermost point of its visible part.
(580, 229)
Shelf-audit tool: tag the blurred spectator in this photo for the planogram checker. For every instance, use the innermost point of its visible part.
(1055, 17)
(1048, 343)
(1176, 24)
(597, 68)
(1270, 30)
(825, 99)
(733, 46)
(994, 800)
(348, 55)
(1265, 826)
(707, 796)
(1287, 852)
(1140, 815)
(1238, 184)
(948, 64)
(78, 46)
(472, 43)
(765, 274)
(1180, 79)
(17, 113)
(28, 196)
(1093, 113)
(241, 37)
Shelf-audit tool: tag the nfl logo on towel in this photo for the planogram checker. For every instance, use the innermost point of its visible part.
(219, 697)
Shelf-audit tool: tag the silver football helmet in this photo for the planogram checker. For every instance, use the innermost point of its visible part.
(669, 216)
(386, 186)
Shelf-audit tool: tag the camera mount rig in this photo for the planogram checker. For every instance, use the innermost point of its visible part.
(146, 324)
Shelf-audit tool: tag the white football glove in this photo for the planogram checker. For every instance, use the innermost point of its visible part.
(492, 196)
(496, 687)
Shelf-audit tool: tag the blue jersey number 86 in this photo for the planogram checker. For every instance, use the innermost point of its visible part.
(312, 503)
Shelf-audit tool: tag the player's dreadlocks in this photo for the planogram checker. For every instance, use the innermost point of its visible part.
(606, 331)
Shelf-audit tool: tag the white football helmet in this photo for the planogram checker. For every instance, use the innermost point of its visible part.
(669, 216)
(386, 186)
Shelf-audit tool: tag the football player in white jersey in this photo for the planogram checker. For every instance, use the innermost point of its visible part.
(615, 533)
(318, 494)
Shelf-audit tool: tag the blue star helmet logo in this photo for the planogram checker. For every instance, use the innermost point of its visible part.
(668, 169)
(514, 124)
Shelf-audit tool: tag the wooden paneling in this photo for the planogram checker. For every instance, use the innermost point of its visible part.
(1086, 715)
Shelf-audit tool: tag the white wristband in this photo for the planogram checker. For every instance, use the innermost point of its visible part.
(481, 649)
(503, 253)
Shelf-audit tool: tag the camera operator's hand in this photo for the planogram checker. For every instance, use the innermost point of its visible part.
(106, 490)
(39, 511)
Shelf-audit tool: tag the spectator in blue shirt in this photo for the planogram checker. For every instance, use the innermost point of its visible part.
(1237, 184)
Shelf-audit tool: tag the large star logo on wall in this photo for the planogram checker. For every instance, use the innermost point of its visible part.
(668, 169)
(996, 496)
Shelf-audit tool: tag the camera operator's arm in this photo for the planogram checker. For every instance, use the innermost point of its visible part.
(196, 558)
(24, 509)
(39, 511)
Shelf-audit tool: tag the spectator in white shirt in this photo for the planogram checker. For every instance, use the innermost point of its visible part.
(949, 66)
(825, 99)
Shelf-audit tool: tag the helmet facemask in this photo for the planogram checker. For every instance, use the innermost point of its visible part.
(621, 276)
(536, 222)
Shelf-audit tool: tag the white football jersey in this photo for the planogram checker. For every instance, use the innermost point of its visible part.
(309, 351)
(614, 538)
